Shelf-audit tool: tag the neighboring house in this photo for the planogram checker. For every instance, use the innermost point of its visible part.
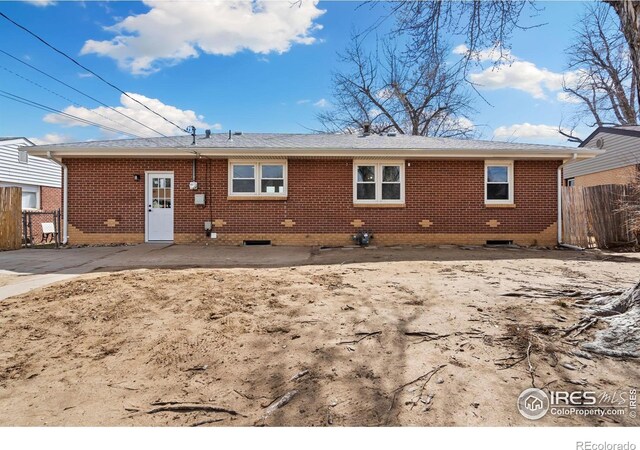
(39, 178)
(619, 164)
(315, 189)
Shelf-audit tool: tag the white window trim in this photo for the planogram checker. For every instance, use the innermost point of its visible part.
(503, 163)
(378, 168)
(258, 178)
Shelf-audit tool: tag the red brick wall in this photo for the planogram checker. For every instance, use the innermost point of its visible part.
(50, 198)
(448, 193)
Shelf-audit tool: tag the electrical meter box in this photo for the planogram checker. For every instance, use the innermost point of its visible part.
(199, 199)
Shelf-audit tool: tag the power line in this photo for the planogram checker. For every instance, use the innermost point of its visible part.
(71, 101)
(89, 70)
(80, 92)
(25, 101)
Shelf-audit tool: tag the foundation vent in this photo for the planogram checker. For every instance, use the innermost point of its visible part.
(255, 242)
(498, 243)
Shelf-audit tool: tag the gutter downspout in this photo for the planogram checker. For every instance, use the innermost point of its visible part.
(560, 183)
(65, 203)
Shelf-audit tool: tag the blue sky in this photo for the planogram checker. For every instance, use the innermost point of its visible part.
(255, 71)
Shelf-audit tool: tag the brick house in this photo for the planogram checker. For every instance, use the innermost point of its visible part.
(619, 164)
(40, 179)
(311, 189)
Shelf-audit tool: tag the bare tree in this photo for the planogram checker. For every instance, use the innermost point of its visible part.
(628, 12)
(393, 90)
(481, 23)
(630, 206)
(601, 77)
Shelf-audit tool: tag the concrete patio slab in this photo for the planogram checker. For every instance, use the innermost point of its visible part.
(24, 270)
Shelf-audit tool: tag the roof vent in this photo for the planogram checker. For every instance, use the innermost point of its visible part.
(207, 134)
(366, 129)
(600, 143)
(237, 133)
(392, 134)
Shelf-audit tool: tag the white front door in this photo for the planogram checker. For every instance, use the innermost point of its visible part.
(159, 203)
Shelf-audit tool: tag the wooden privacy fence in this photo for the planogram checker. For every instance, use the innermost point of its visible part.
(593, 216)
(10, 218)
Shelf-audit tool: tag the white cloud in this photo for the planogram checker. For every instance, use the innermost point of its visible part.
(517, 74)
(489, 54)
(107, 117)
(174, 31)
(384, 94)
(85, 75)
(51, 138)
(567, 98)
(522, 75)
(322, 103)
(41, 2)
(528, 131)
(463, 122)
(303, 101)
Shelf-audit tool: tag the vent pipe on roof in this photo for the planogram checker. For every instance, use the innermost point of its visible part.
(229, 134)
(192, 131)
(207, 134)
(366, 129)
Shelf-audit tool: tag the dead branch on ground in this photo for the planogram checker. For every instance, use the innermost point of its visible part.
(362, 337)
(204, 422)
(426, 378)
(180, 407)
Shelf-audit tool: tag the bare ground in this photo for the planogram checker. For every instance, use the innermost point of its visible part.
(106, 349)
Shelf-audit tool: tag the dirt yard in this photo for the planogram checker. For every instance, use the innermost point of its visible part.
(362, 337)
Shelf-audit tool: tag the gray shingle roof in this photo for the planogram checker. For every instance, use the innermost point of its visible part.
(306, 141)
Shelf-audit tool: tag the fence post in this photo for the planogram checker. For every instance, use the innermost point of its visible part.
(10, 212)
(30, 230)
(24, 228)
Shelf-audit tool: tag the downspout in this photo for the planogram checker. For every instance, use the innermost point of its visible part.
(65, 203)
(560, 183)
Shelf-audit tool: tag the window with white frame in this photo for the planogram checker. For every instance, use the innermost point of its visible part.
(498, 182)
(378, 182)
(258, 178)
(30, 195)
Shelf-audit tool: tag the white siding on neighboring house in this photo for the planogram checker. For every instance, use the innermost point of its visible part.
(36, 172)
(620, 151)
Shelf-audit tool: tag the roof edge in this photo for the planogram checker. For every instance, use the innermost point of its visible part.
(222, 153)
(609, 130)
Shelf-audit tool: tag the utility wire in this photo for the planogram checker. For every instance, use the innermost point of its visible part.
(88, 70)
(72, 102)
(80, 92)
(28, 102)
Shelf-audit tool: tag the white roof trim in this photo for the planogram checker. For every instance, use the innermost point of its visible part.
(224, 153)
